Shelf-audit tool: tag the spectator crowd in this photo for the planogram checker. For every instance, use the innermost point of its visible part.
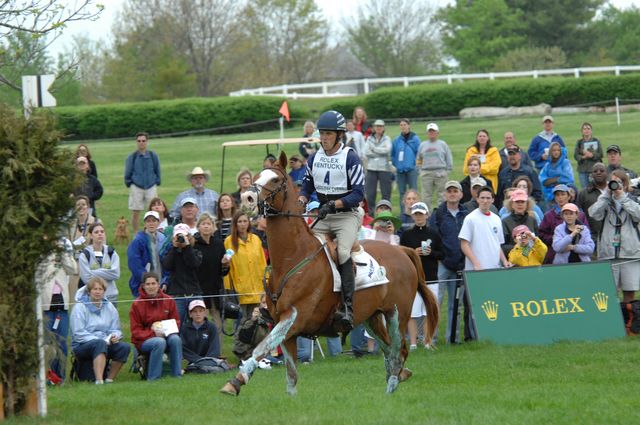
(515, 207)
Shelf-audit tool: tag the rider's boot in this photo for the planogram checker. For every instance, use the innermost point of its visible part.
(343, 319)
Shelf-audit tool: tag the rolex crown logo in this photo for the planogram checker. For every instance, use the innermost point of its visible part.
(490, 310)
(601, 300)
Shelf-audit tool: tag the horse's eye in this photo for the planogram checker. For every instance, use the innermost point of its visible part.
(274, 180)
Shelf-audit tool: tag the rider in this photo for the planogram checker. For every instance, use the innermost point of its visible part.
(336, 174)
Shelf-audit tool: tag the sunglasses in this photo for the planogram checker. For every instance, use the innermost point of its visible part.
(141, 140)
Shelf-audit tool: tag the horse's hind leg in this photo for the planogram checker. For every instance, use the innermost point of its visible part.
(290, 346)
(376, 327)
(269, 343)
(396, 359)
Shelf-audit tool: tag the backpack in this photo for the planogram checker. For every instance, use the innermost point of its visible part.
(208, 365)
(631, 316)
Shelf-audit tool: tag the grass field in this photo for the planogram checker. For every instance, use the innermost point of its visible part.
(471, 383)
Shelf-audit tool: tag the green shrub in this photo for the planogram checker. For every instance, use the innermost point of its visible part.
(440, 100)
(346, 105)
(170, 116)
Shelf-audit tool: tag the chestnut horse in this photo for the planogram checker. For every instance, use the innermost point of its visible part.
(300, 293)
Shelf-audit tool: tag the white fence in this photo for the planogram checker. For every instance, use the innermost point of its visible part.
(367, 85)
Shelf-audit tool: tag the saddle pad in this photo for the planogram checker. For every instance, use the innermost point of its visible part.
(368, 271)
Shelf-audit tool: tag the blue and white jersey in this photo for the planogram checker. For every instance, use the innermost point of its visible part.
(338, 176)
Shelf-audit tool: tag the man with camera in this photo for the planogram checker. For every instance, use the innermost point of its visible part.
(589, 195)
(619, 240)
(182, 261)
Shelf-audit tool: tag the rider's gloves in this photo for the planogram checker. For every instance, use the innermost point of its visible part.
(328, 208)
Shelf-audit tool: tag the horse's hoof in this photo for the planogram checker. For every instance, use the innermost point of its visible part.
(228, 389)
(392, 384)
(292, 390)
(232, 387)
(405, 374)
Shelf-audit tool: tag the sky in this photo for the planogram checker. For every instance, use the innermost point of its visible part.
(101, 28)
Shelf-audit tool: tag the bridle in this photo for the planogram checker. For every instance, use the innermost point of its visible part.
(267, 208)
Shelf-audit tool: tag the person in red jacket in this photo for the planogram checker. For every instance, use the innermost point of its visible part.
(154, 327)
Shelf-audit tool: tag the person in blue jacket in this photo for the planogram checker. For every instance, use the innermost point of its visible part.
(539, 147)
(404, 150)
(557, 170)
(143, 254)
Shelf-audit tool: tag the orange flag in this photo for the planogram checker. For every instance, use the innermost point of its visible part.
(284, 111)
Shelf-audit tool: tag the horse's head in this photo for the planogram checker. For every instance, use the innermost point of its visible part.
(274, 190)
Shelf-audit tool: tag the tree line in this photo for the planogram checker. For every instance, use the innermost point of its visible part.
(164, 49)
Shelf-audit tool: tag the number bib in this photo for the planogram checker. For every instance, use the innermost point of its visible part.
(330, 172)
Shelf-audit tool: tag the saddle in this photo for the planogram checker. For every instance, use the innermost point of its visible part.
(366, 269)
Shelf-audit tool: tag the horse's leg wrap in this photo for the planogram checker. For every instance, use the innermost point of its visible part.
(395, 364)
(271, 341)
(292, 371)
(386, 349)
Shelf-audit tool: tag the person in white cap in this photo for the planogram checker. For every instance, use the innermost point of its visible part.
(143, 254)
(426, 242)
(378, 152)
(199, 336)
(539, 147)
(206, 199)
(435, 161)
(182, 261)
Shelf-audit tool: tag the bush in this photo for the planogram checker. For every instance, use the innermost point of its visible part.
(170, 116)
(346, 105)
(37, 178)
(441, 100)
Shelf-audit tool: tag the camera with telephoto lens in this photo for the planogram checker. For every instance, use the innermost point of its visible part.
(181, 239)
(614, 185)
(386, 223)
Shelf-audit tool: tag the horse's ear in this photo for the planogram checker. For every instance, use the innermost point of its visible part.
(283, 160)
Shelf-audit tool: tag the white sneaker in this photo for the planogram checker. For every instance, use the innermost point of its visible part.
(412, 347)
(108, 381)
(99, 382)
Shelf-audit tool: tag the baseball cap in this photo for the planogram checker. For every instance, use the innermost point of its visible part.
(188, 200)
(452, 183)
(197, 303)
(378, 123)
(513, 148)
(519, 229)
(547, 118)
(313, 205)
(560, 188)
(419, 207)
(181, 229)
(478, 181)
(570, 207)
(153, 214)
(384, 203)
(615, 148)
(519, 195)
(432, 126)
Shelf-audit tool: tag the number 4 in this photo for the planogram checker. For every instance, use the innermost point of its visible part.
(326, 178)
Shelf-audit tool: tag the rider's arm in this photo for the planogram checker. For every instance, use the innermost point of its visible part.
(355, 176)
(308, 186)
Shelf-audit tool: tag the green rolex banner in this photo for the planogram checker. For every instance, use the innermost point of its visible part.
(540, 305)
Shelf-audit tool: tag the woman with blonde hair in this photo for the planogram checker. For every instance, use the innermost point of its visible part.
(247, 265)
(96, 332)
(521, 212)
(244, 178)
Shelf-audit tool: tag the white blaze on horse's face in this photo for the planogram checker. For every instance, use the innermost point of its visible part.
(265, 177)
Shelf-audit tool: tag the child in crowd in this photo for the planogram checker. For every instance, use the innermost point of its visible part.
(529, 250)
(572, 240)
(199, 336)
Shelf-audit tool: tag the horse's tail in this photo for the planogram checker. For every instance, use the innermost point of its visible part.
(430, 301)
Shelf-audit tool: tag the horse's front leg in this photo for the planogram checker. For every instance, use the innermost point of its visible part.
(268, 344)
(290, 351)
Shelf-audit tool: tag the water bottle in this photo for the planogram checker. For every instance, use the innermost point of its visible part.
(228, 254)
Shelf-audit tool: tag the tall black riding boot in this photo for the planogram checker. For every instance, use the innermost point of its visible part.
(343, 319)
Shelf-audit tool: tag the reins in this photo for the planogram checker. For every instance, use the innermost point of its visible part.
(266, 209)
